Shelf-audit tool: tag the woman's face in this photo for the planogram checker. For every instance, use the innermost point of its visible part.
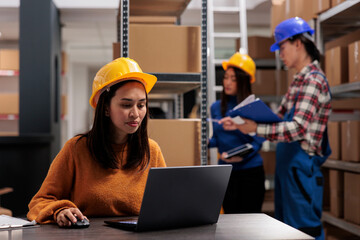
(288, 53)
(127, 110)
(229, 82)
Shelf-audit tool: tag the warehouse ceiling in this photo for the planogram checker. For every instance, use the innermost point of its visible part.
(89, 26)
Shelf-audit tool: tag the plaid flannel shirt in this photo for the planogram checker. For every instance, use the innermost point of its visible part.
(311, 114)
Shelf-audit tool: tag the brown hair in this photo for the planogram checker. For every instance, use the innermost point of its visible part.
(243, 89)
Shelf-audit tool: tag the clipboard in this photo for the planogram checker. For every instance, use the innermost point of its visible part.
(257, 111)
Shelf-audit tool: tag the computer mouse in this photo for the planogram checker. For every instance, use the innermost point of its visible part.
(80, 223)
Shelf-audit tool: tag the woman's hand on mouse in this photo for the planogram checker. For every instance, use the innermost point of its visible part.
(66, 217)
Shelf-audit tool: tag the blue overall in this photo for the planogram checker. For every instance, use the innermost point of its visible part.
(299, 185)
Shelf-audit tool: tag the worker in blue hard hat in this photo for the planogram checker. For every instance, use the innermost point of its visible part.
(302, 137)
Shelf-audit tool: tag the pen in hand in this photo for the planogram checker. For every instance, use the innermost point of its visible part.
(212, 120)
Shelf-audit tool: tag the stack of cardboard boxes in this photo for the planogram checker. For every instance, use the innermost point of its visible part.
(160, 46)
(341, 66)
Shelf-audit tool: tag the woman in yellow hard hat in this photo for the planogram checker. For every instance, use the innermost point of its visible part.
(103, 172)
(245, 193)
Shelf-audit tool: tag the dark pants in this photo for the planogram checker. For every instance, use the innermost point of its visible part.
(245, 192)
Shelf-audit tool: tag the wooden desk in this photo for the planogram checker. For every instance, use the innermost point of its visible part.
(229, 226)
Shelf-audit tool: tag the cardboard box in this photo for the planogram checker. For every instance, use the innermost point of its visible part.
(301, 8)
(64, 105)
(354, 61)
(9, 59)
(336, 65)
(270, 82)
(343, 41)
(179, 140)
(12, 103)
(279, 13)
(160, 48)
(320, 6)
(336, 2)
(350, 141)
(352, 197)
(334, 133)
(345, 104)
(152, 20)
(64, 62)
(259, 47)
(336, 193)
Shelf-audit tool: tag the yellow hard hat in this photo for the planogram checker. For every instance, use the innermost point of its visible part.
(119, 70)
(242, 61)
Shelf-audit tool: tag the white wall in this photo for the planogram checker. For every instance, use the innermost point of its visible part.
(78, 102)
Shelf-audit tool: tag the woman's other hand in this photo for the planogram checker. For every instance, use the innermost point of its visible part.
(249, 126)
(233, 159)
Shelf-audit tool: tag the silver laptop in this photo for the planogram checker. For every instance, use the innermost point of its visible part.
(178, 197)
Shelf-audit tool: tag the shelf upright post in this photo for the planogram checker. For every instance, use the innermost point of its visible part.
(243, 26)
(123, 32)
(203, 87)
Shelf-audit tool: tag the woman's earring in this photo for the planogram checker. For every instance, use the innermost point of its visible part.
(107, 113)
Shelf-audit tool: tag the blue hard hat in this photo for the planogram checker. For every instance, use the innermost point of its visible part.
(289, 28)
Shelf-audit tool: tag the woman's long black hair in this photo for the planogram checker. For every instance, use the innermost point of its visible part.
(243, 89)
(100, 143)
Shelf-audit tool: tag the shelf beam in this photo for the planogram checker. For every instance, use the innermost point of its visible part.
(340, 223)
(346, 90)
(342, 165)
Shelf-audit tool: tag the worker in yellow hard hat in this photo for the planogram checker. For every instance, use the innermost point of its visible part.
(103, 171)
(245, 193)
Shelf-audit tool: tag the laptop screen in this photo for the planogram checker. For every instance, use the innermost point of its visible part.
(183, 196)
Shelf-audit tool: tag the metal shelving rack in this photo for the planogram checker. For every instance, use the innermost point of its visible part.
(170, 83)
(336, 22)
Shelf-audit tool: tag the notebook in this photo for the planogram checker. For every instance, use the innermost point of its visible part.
(255, 110)
(178, 197)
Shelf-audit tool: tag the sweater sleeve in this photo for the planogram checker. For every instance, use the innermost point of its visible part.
(55, 191)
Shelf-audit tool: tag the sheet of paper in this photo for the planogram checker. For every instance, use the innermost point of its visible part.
(238, 120)
(246, 101)
(11, 222)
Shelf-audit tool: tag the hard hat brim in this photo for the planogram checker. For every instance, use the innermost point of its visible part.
(226, 65)
(146, 79)
(274, 47)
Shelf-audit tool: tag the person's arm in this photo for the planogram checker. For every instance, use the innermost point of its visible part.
(286, 131)
(54, 194)
(305, 109)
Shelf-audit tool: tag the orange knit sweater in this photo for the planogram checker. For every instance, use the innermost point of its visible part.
(75, 179)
